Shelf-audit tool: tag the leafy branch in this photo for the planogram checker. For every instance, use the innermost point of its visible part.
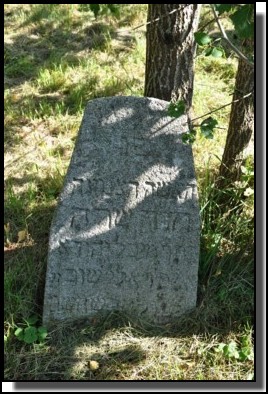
(223, 106)
(207, 126)
(201, 37)
(201, 28)
(225, 37)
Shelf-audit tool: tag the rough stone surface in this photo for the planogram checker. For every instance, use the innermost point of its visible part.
(125, 235)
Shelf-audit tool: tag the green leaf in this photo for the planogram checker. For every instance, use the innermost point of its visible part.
(95, 8)
(226, 351)
(19, 333)
(5, 338)
(247, 174)
(189, 137)
(243, 21)
(32, 320)
(242, 356)
(208, 51)
(176, 109)
(214, 51)
(202, 38)
(230, 350)
(207, 127)
(221, 8)
(246, 354)
(217, 52)
(30, 334)
(42, 333)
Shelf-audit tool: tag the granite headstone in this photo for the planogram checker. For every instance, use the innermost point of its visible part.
(125, 234)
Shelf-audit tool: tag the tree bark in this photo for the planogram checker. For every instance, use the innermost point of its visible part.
(170, 49)
(240, 126)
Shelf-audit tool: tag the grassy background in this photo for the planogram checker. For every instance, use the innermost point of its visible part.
(57, 57)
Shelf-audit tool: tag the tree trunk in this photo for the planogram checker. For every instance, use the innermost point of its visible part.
(240, 126)
(170, 49)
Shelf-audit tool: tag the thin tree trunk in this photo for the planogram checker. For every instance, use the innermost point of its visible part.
(240, 126)
(170, 49)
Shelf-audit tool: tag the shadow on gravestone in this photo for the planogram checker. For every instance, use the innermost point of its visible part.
(125, 236)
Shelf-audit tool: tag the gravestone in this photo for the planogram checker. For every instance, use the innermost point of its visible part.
(125, 235)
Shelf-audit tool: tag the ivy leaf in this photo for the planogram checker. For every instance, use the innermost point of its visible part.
(176, 109)
(221, 8)
(30, 335)
(217, 52)
(19, 333)
(42, 333)
(207, 127)
(95, 8)
(202, 38)
(243, 21)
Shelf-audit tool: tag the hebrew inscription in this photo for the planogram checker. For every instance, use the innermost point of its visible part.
(125, 235)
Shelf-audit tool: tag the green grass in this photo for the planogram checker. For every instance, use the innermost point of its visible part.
(57, 57)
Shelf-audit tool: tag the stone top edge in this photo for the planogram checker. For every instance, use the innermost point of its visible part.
(134, 98)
